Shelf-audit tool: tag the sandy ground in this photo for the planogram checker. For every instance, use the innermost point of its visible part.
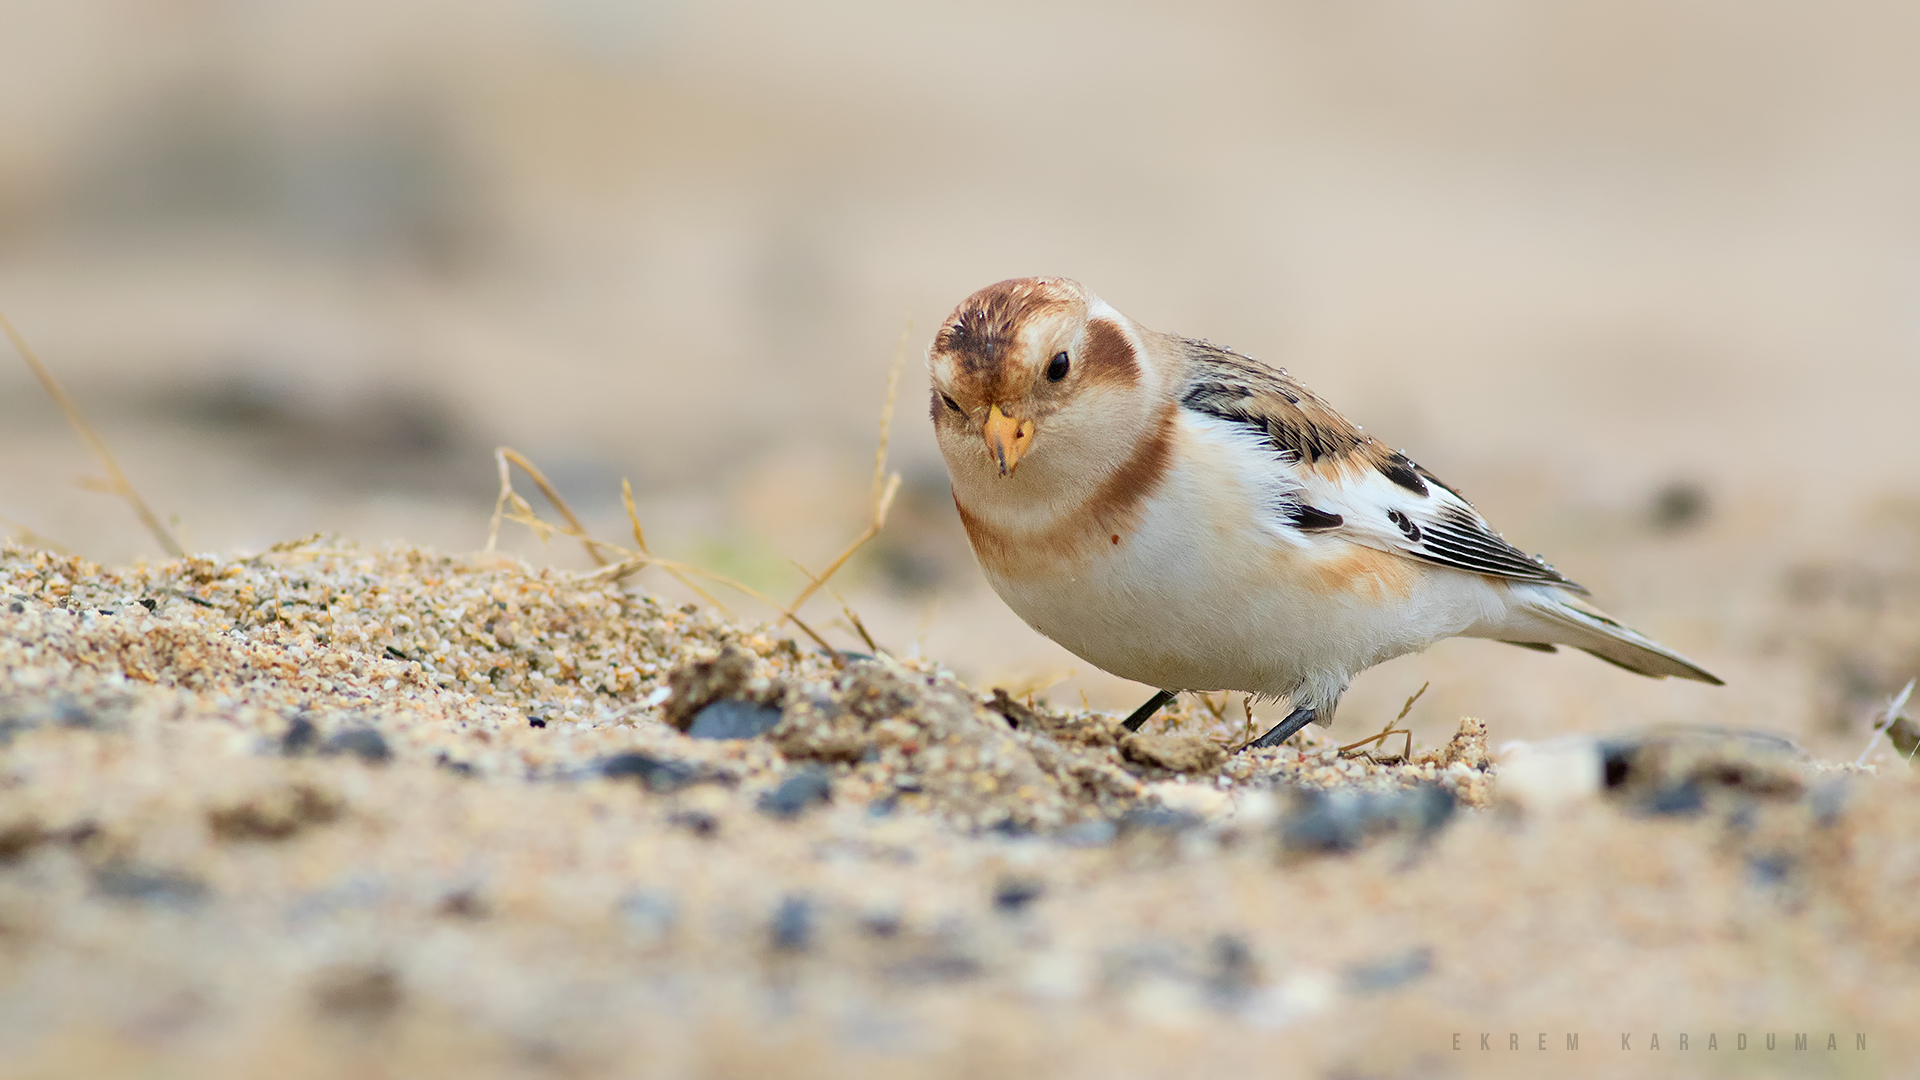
(328, 811)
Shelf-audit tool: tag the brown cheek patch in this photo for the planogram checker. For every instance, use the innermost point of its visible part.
(1108, 356)
(1363, 573)
(1110, 512)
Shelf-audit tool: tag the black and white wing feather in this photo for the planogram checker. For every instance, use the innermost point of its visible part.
(1340, 481)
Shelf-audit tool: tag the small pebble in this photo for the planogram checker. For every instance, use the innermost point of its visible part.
(1016, 894)
(733, 719)
(300, 737)
(364, 743)
(793, 924)
(164, 888)
(1390, 973)
(657, 774)
(796, 794)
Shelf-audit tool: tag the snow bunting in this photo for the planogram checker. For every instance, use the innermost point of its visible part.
(1190, 518)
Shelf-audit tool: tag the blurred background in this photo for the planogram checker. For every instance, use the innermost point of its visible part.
(1641, 279)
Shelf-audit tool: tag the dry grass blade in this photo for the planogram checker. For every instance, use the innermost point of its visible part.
(509, 506)
(853, 617)
(505, 454)
(1391, 729)
(1896, 708)
(633, 516)
(631, 562)
(117, 484)
(27, 536)
(640, 542)
(886, 412)
(885, 485)
(636, 562)
(1408, 707)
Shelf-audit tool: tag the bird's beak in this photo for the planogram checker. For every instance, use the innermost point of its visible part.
(1007, 439)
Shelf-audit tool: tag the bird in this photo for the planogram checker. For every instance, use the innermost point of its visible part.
(1181, 515)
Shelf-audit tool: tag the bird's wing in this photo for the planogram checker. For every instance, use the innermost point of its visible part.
(1341, 481)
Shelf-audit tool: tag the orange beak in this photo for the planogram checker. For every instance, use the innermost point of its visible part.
(1007, 440)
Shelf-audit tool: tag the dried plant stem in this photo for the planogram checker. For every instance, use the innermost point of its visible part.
(885, 485)
(640, 541)
(504, 454)
(117, 483)
(853, 617)
(510, 506)
(634, 563)
(1392, 728)
(631, 562)
(27, 535)
(1895, 709)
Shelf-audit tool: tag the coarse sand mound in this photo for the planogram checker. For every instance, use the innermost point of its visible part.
(329, 811)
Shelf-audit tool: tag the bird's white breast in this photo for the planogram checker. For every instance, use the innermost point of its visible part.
(1205, 590)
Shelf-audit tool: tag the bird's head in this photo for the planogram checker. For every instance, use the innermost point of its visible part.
(1027, 357)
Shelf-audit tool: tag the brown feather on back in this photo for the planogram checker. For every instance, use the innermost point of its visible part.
(1309, 433)
(1299, 423)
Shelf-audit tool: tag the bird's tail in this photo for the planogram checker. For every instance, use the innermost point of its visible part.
(1547, 617)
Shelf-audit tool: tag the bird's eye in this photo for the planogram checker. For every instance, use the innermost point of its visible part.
(951, 404)
(1058, 369)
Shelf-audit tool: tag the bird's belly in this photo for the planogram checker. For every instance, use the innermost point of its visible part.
(1190, 603)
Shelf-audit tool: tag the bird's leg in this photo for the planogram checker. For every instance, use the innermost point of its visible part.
(1145, 712)
(1285, 729)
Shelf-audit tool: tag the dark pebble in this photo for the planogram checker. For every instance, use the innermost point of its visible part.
(655, 773)
(650, 915)
(358, 993)
(69, 713)
(796, 794)
(1390, 973)
(463, 904)
(1016, 894)
(1231, 972)
(1616, 763)
(536, 721)
(19, 608)
(733, 719)
(698, 822)
(881, 924)
(1340, 821)
(1676, 800)
(149, 887)
(19, 838)
(1678, 505)
(1152, 819)
(1088, 834)
(300, 737)
(793, 924)
(1828, 801)
(458, 768)
(1765, 870)
(938, 967)
(364, 743)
